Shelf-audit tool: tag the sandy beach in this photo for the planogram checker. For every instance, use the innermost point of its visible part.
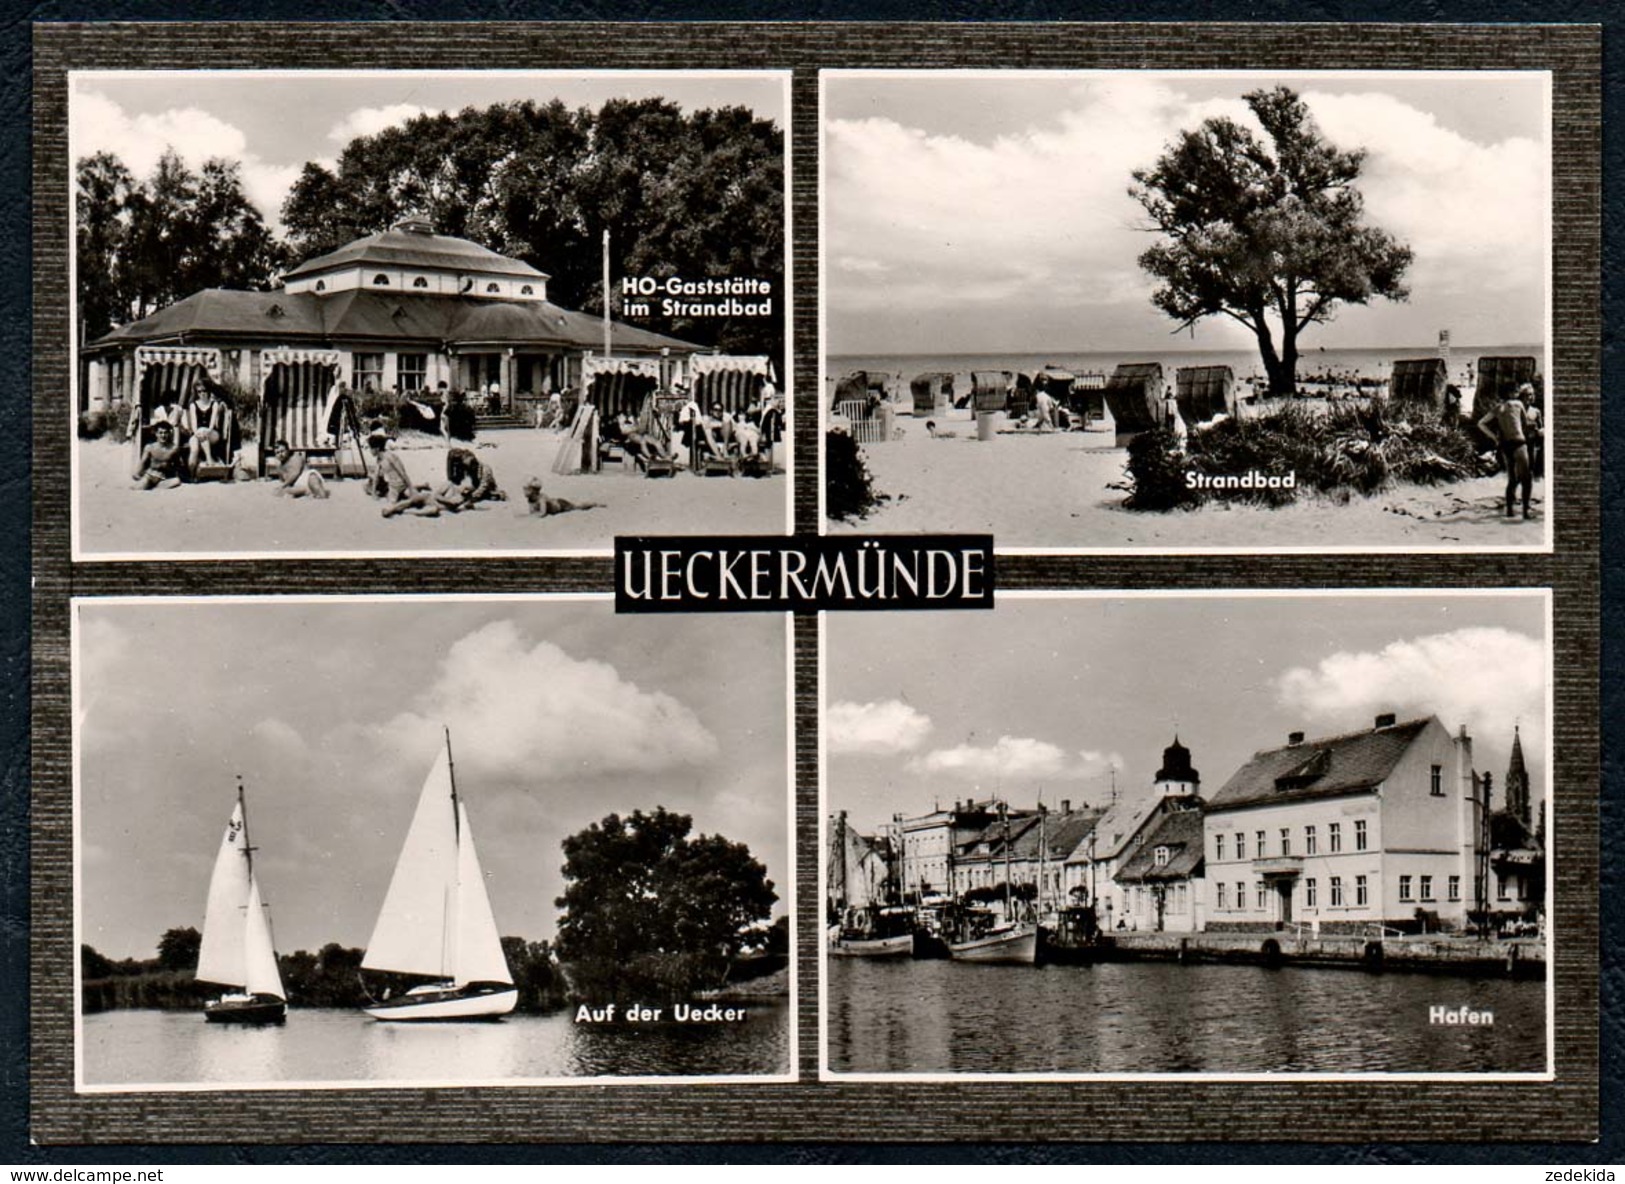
(1051, 491)
(234, 518)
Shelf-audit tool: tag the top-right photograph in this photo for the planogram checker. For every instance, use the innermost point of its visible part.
(1189, 311)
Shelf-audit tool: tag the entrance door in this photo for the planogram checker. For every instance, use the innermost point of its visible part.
(1283, 889)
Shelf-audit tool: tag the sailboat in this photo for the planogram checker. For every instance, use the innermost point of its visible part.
(237, 950)
(436, 921)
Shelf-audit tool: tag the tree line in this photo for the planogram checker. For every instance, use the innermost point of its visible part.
(651, 913)
(697, 195)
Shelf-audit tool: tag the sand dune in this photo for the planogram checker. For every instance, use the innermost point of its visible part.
(226, 518)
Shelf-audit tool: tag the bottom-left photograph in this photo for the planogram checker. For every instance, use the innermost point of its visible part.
(345, 841)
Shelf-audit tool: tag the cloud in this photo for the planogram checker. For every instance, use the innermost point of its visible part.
(101, 125)
(875, 728)
(952, 232)
(1486, 678)
(369, 121)
(280, 738)
(1013, 757)
(523, 712)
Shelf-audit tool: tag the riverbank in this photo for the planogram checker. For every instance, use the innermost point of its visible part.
(1434, 953)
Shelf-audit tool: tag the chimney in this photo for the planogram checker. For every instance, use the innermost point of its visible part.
(1386, 720)
(1294, 738)
(1066, 805)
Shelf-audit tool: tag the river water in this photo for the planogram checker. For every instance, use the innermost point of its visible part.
(1154, 1017)
(318, 1045)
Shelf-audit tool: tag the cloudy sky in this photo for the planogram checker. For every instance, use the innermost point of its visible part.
(989, 212)
(273, 123)
(1044, 697)
(560, 713)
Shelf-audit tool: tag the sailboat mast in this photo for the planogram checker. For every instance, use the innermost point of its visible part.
(248, 848)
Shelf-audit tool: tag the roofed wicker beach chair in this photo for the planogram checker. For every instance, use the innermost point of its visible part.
(303, 402)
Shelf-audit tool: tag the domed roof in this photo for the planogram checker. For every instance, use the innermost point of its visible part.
(413, 243)
(1176, 764)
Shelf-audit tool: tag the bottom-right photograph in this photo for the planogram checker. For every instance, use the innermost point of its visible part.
(1235, 833)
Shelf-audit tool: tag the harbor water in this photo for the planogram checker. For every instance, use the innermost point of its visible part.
(901, 1016)
(319, 1045)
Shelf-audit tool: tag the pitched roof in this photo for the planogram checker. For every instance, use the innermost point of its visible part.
(1181, 832)
(1355, 762)
(400, 247)
(386, 316)
(1116, 828)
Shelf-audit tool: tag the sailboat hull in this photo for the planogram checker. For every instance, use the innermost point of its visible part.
(1018, 946)
(900, 946)
(450, 1005)
(246, 1011)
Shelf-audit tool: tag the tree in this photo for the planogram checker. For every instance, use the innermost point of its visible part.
(178, 949)
(651, 911)
(101, 208)
(1270, 235)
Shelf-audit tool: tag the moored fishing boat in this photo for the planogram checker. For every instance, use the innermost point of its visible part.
(874, 933)
(436, 921)
(1014, 942)
(237, 949)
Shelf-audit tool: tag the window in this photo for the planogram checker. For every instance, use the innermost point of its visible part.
(1286, 841)
(1241, 845)
(1258, 885)
(1436, 782)
(321, 285)
(1241, 895)
(367, 372)
(1258, 845)
(527, 290)
(1455, 887)
(1405, 888)
(1337, 892)
(1220, 896)
(1218, 849)
(411, 370)
(1161, 856)
(380, 280)
(1179, 899)
(1334, 832)
(1427, 887)
(493, 289)
(1360, 894)
(420, 282)
(1359, 834)
(1309, 893)
(1501, 887)
(1309, 839)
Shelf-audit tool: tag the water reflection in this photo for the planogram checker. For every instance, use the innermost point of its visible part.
(1147, 1017)
(178, 1048)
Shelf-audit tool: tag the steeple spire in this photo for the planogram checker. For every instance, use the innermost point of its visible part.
(1517, 781)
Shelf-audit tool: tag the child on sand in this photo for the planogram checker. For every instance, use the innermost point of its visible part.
(543, 507)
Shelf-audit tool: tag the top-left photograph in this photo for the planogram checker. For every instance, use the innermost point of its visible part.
(330, 314)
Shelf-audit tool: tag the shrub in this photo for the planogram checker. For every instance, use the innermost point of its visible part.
(849, 490)
(94, 424)
(245, 405)
(1156, 473)
(377, 408)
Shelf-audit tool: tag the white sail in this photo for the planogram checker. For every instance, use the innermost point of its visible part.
(479, 948)
(221, 956)
(415, 927)
(259, 955)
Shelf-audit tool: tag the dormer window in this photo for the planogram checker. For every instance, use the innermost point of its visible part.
(493, 289)
(527, 290)
(321, 285)
(420, 282)
(1161, 856)
(380, 280)
(275, 311)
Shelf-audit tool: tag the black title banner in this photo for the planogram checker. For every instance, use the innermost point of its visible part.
(802, 573)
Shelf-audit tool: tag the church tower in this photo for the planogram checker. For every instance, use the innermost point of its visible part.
(1517, 782)
(1176, 778)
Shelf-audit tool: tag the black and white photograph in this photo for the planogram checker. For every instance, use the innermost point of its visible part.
(429, 841)
(1189, 311)
(1189, 834)
(314, 308)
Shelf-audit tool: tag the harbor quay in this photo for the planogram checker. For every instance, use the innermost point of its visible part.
(1434, 953)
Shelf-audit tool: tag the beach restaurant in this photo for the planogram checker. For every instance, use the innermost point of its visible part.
(405, 310)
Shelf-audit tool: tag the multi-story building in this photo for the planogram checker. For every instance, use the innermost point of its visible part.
(927, 844)
(1162, 881)
(1381, 827)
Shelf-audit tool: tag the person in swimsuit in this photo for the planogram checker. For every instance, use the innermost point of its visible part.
(542, 506)
(160, 463)
(1506, 424)
(399, 492)
(469, 481)
(295, 476)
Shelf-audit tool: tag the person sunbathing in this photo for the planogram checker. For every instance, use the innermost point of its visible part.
(641, 445)
(747, 435)
(295, 476)
(395, 486)
(543, 507)
(469, 482)
(160, 463)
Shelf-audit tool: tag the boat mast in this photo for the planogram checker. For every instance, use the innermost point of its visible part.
(242, 805)
(448, 900)
(1004, 817)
